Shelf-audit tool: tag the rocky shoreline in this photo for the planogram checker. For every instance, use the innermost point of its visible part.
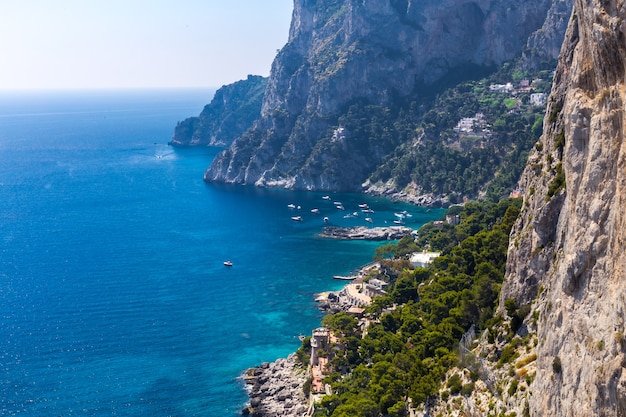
(409, 194)
(366, 233)
(276, 389)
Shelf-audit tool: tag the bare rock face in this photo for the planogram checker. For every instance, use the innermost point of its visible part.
(378, 53)
(546, 42)
(567, 248)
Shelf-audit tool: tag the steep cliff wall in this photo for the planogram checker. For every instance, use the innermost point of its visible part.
(376, 53)
(545, 43)
(567, 249)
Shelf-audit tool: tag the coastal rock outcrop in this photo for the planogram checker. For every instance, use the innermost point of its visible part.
(276, 389)
(232, 111)
(366, 233)
(566, 253)
(357, 61)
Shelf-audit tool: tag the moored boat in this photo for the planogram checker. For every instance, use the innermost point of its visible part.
(345, 278)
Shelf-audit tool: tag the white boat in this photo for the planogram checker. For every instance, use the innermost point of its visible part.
(291, 206)
(315, 211)
(228, 263)
(363, 206)
(355, 214)
(340, 207)
(369, 220)
(399, 215)
(297, 218)
(326, 197)
(367, 210)
(325, 219)
(398, 222)
(345, 278)
(338, 203)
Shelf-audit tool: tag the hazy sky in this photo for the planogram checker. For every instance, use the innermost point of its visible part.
(138, 43)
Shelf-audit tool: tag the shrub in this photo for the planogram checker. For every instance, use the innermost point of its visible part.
(528, 359)
(558, 182)
(522, 372)
(509, 352)
(467, 389)
(556, 365)
(454, 384)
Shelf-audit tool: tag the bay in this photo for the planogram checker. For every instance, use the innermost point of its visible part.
(114, 299)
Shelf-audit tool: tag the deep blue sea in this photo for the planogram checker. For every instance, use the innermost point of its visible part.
(114, 299)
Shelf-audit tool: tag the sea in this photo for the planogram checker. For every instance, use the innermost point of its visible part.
(114, 296)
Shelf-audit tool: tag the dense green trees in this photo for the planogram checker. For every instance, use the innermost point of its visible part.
(436, 159)
(406, 350)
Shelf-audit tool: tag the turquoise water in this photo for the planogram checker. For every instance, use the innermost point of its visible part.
(114, 299)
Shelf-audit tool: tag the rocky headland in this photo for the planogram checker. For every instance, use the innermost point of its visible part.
(366, 233)
(276, 389)
(350, 63)
(231, 112)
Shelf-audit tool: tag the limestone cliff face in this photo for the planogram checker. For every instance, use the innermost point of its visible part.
(232, 111)
(545, 43)
(567, 249)
(375, 52)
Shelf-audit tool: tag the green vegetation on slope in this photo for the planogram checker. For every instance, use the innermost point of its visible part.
(415, 328)
(489, 160)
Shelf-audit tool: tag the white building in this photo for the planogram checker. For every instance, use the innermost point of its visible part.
(423, 259)
(538, 99)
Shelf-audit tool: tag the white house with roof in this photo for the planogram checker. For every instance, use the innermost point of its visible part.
(423, 259)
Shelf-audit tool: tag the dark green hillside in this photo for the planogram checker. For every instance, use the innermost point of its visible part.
(488, 158)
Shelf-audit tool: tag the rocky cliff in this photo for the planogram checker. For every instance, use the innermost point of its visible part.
(232, 111)
(545, 43)
(356, 60)
(567, 249)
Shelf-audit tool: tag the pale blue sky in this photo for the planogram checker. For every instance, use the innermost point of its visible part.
(68, 44)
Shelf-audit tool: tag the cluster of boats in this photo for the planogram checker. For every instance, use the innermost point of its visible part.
(363, 208)
(401, 216)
